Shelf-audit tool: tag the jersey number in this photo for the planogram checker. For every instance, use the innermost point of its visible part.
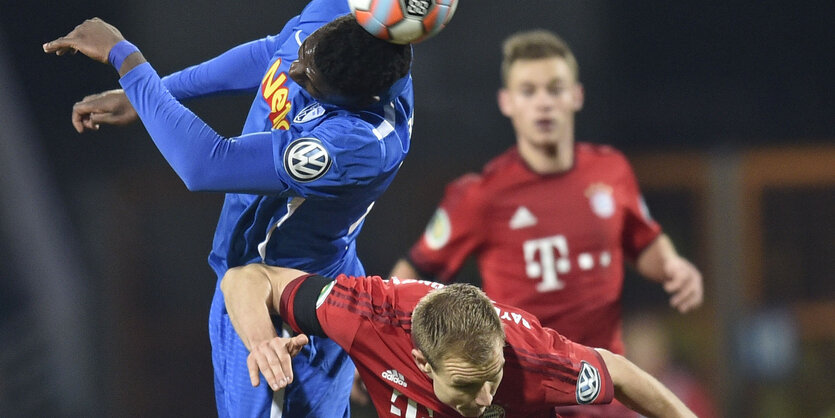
(399, 402)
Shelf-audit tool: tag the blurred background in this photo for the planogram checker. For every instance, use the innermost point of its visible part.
(726, 110)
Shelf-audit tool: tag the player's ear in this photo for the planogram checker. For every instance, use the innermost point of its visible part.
(421, 361)
(503, 98)
(578, 96)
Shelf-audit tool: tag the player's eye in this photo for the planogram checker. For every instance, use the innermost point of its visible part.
(470, 387)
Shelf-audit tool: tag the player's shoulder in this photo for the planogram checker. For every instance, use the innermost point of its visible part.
(479, 186)
(516, 318)
(371, 124)
(597, 150)
(344, 131)
(393, 294)
(600, 153)
(340, 149)
(466, 192)
(498, 165)
(494, 170)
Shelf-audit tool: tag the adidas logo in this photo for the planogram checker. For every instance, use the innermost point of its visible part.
(394, 376)
(523, 218)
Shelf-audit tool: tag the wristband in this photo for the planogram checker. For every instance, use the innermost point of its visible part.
(119, 52)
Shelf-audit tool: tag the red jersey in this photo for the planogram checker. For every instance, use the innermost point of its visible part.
(371, 319)
(551, 244)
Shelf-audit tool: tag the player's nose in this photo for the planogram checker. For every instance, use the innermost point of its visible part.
(544, 100)
(484, 397)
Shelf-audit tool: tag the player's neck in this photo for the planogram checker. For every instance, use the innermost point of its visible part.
(548, 159)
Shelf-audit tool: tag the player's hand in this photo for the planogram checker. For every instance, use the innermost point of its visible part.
(93, 38)
(273, 359)
(684, 284)
(111, 107)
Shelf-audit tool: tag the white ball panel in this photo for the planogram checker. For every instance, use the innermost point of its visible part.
(359, 4)
(406, 30)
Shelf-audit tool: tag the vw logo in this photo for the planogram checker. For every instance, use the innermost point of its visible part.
(588, 384)
(306, 159)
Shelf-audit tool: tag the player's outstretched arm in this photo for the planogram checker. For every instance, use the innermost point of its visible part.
(681, 279)
(204, 160)
(640, 391)
(237, 70)
(251, 293)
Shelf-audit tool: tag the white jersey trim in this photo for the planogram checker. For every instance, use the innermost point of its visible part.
(291, 208)
(387, 127)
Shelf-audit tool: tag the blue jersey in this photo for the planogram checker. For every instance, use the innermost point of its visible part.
(328, 165)
(300, 180)
(333, 163)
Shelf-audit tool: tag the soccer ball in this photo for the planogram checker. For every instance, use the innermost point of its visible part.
(403, 21)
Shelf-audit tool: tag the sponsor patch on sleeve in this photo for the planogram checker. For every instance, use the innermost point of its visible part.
(588, 384)
(306, 159)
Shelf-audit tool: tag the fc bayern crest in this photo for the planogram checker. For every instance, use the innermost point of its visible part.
(601, 199)
(306, 159)
(588, 384)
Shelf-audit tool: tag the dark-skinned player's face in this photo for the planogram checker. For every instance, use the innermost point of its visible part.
(305, 73)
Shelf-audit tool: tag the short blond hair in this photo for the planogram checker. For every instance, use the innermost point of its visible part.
(536, 44)
(458, 321)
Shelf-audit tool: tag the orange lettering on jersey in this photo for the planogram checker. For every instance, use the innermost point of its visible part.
(275, 93)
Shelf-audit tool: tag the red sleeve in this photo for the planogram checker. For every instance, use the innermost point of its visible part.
(354, 301)
(594, 383)
(639, 229)
(453, 233)
(553, 370)
(337, 309)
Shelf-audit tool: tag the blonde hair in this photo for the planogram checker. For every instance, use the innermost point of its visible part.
(457, 321)
(536, 44)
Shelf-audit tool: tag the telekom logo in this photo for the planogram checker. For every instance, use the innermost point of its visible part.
(548, 258)
(552, 252)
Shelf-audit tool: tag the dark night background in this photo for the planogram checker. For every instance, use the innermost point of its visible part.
(105, 291)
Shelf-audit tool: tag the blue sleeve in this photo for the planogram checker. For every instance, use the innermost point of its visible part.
(237, 70)
(330, 160)
(203, 159)
(241, 68)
